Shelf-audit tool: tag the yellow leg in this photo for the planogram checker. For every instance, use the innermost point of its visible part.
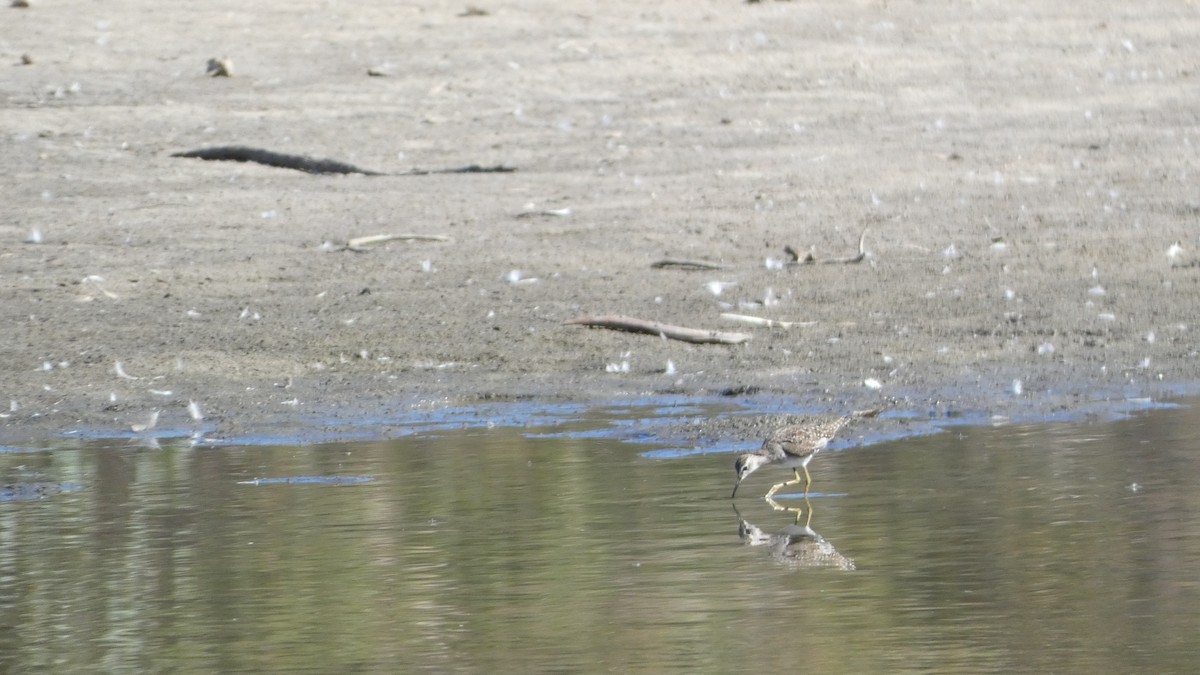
(795, 481)
(807, 481)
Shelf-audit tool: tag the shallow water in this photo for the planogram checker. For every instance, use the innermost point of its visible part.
(1064, 548)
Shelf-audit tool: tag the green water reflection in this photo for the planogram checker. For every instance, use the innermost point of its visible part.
(1065, 548)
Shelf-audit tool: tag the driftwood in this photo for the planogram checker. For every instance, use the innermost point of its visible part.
(810, 259)
(239, 153)
(633, 325)
(686, 264)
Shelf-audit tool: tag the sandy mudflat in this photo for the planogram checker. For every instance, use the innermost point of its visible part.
(1021, 169)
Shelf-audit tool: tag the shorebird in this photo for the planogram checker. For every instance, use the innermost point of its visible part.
(792, 447)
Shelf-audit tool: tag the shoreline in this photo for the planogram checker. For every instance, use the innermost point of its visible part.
(719, 419)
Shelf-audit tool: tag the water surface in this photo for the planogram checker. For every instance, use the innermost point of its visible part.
(1065, 548)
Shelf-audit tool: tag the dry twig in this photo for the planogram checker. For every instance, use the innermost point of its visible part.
(810, 259)
(358, 243)
(632, 325)
(687, 264)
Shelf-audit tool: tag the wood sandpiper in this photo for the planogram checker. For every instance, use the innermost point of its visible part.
(792, 447)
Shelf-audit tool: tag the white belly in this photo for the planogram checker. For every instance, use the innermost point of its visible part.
(798, 462)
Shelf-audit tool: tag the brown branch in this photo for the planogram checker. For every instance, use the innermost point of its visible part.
(632, 325)
(239, 153)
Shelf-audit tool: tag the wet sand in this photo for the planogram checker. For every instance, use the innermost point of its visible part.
(1020, 170)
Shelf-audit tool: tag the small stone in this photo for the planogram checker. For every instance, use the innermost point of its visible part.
(220, 68)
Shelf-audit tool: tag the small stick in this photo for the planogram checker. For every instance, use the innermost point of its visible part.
(759, 321)
(470, 168)
(632, 325)
(810, 259)
(359, 242)
(687, 264)
(556, 213)
(862, 252)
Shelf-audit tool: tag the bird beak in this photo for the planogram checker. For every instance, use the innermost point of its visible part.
(735, 487)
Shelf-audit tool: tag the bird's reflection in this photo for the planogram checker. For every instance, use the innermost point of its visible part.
(796, 545)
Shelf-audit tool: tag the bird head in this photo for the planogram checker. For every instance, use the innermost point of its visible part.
(744, 466)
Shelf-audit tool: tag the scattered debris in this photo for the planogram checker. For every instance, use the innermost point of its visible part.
(622, 367)
(632, 325)
(95, 280)
(517, 277)
(810, 259)
(1174, 252)
(222, 67)
(1177, 256)
(718, 287)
